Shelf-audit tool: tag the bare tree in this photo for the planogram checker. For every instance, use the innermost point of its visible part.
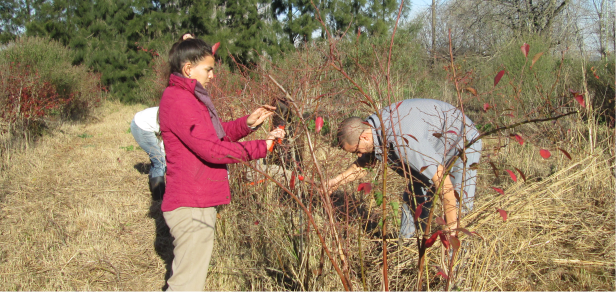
(603, 9)
(479, 26)
(433, 27)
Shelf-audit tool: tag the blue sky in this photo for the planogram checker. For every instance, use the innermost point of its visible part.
(418, 6)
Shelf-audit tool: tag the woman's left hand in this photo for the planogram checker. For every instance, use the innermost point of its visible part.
(259, 115)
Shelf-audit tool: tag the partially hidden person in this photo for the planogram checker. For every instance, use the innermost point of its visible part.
(199, 146)
(145, 130)
(425, 142)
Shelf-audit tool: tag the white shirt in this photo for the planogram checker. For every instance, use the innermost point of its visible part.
(147, 120)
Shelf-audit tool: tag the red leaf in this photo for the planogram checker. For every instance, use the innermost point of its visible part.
(465, 231)
(535, 58)
(503, 214)
(455, 243)
(494, 168)
(215, 48)
(472, 90)
(512, 175)
(517, 138)
(418, 211)
(580, 99)
(499, 191)
(430, 241)
(318, 124)
(398, 105)
(521, 174)
(565, 152)
(545, 153)
(452, 132)
(486, 107)
(257, 222)
(367, 187)
(440, 220)
(444, 240)
(411, 137)
(442, 273)
(498, 77)
(292, 182)
(525, 48)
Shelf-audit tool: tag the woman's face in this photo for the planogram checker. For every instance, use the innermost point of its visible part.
(202, 71)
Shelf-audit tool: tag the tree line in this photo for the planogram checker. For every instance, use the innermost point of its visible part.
(119, 38)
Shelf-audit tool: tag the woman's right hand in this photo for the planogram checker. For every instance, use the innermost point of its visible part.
(273, 136)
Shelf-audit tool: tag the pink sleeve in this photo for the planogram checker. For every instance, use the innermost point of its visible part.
(195, 130)
(237, 129)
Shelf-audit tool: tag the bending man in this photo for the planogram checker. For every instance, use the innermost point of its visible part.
(423, 138)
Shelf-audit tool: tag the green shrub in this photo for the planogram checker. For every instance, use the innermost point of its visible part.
(150, 87)
(528, 90)
(38, 84)
(600, 78)
(52, 62)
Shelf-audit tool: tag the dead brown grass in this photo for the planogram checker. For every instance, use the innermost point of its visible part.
(75, 215)
(559, 234)
(74, 211)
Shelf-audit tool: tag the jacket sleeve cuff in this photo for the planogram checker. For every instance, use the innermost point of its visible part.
(244, 126)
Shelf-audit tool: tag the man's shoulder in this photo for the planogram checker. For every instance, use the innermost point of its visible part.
(425, 102)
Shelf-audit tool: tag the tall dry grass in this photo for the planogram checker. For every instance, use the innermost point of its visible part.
(76, 216)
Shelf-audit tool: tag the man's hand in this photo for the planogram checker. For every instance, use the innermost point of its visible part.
(448, 199)
(354, 172)
(257, 117)
(332, 185)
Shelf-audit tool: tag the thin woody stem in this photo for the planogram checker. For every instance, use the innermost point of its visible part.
(310, 219)
(516, 125)
(345, 280)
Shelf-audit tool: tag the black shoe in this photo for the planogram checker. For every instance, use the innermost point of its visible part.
(157, 187)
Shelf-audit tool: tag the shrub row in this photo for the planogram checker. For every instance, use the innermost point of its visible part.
(38, 84)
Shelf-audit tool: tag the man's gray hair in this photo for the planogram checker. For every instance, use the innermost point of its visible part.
(350, 129)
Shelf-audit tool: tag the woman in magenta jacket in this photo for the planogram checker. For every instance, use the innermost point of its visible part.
(199, 146)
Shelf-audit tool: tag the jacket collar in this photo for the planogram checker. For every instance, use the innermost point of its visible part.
(175, 79)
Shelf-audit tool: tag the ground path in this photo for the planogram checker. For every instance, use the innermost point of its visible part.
(74, 211)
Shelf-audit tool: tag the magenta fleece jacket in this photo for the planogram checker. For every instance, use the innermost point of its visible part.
(196, 159)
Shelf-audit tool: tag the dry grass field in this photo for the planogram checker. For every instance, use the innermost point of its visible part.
(76, 214)
(75, 211)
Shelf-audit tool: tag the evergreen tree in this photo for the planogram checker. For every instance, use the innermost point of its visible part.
(119, 38)
(245, 33)
(348, 14)
(295, 19)
(384, 13)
